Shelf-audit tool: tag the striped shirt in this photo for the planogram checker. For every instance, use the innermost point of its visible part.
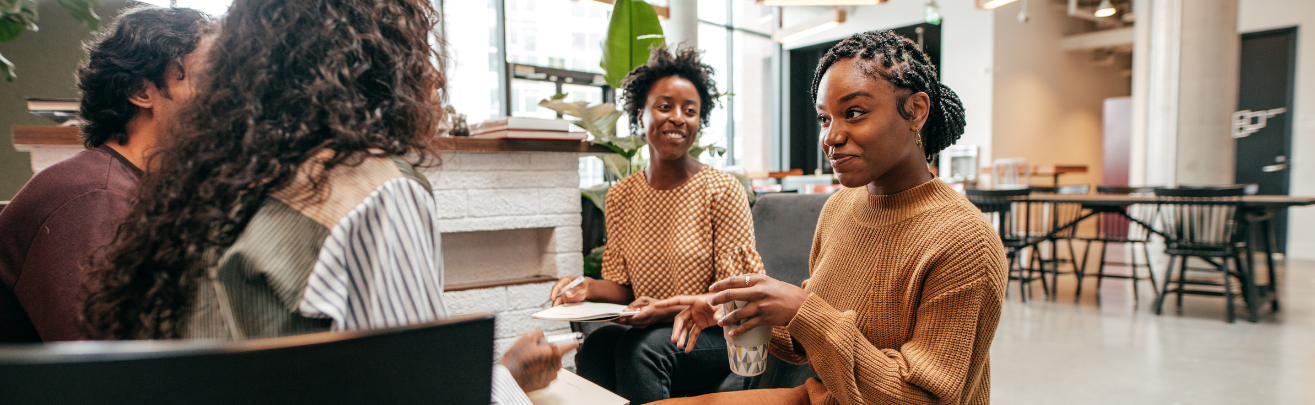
(382, 266)
(360, 252)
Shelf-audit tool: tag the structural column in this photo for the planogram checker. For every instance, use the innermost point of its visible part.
(1190, 50)
(682, 29)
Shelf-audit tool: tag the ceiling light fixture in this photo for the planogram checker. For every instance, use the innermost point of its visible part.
(824, 22)
(990, 4)
(1106, 9)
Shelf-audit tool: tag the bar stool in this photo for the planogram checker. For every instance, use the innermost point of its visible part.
(1125, 225)
(1010, 213)
(1203, 223)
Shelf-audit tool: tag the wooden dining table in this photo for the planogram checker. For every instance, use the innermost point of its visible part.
(1254, 210)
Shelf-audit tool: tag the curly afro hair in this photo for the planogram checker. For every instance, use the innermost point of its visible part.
(897, 60)
(684, 62)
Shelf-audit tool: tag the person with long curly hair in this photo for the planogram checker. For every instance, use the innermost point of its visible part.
(139, 71)
(672, 229)
(906, 276)
(286, 200)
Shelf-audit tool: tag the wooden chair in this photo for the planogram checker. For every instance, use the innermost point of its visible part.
(1011, 174)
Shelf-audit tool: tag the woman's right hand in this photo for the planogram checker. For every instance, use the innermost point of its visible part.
(698, 315)
(573, 295)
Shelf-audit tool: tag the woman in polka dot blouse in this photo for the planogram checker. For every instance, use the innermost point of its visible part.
(672, 229)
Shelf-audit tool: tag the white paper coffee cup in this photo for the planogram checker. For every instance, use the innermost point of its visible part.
(747, 352)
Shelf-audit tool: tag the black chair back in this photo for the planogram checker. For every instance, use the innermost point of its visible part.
(1200, 219)
(448, 362)
(1052, 215)
(1112, 225)
(1104, 189)
(1008, 210)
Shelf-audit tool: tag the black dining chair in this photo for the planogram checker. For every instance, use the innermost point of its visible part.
(1203, 223)
(1054, 227)
(1121, 225)
(1011, 213)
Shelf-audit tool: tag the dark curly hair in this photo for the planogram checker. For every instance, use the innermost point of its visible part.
(286, 79)
(897, 60)
(140, 45)
(663, 63)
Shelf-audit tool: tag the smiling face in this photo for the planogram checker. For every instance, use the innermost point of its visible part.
(671, 117)
(863, 133)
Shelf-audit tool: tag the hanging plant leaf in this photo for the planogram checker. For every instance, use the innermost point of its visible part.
(8, 68)
(598, 195)
(16, 16)
(634, 28)
(83, 11)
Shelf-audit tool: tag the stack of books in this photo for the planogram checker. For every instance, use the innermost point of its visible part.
(60, 110)
(525, 128)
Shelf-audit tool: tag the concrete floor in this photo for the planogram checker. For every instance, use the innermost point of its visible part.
(1115, 352)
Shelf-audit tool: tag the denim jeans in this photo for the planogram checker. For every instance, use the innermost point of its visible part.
(642, 365)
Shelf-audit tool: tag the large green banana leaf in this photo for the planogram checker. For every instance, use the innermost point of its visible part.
(633, 30)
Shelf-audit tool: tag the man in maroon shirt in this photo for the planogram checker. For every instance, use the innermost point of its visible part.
(137, 75)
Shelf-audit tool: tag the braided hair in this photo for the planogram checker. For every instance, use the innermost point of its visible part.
(897, 60)
(685, 63)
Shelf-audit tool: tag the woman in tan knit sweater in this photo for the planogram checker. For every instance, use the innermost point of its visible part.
(907, 277)
(672, 229)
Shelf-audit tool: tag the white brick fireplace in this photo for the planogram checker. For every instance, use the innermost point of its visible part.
(510, 224)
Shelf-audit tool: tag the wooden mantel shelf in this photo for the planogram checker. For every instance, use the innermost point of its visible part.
(46, 135)
(516, 145)
(26, 136)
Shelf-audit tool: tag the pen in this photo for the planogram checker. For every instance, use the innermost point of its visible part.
(561, 339)
(571, 285)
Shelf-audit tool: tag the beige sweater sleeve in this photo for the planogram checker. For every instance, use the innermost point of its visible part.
(930, 368)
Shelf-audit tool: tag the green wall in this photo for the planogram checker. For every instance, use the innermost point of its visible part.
(45, 62)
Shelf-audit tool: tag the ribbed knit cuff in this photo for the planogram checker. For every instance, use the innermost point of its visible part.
(814, 322)
(783, 346)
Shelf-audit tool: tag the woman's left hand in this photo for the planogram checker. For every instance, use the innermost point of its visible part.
(648, 314)
(769, 301)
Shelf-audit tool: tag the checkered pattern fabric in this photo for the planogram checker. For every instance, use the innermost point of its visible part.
(665, 243)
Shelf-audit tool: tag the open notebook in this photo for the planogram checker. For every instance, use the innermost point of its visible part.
(572, 389)
(584, 312)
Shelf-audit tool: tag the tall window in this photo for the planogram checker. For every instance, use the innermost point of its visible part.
(474, 73)
(561, 34)
(733, 35)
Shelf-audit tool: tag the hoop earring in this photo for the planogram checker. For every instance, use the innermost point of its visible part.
(917, 138)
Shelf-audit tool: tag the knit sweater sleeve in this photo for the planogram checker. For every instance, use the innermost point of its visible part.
(932, 367)
(784, 346)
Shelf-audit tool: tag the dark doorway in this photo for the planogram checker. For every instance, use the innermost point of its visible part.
(1263, 122)
(805, 152)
